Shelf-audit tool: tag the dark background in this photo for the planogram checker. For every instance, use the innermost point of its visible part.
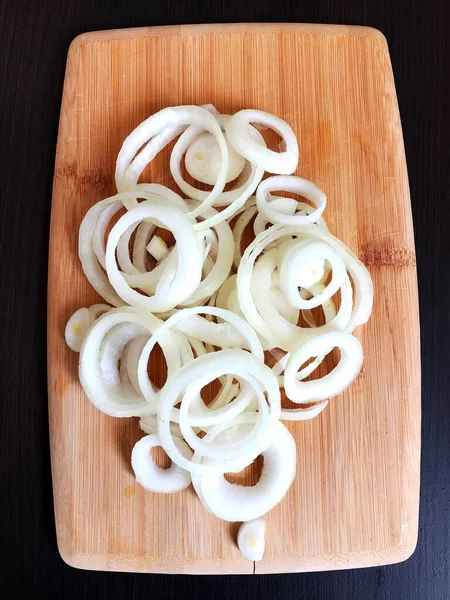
(34, 39)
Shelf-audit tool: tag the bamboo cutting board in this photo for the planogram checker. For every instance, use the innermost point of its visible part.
(354, 501)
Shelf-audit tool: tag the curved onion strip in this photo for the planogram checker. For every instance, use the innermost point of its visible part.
(89, 261)
(233, 502)
(112, 351)
(222, 335)
(153, 478)
(96, 310)
(132, 360)
(297, 185)
(144, 234)
(221, 266)
(104, 217)
(238, 133)
(215, 414)
(149, 424)
(244, 331)
(286, 206)
(303, 414)
(283, 332)
(238, 231)
(123, 252)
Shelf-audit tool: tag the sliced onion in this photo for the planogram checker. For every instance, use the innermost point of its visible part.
(238, 232)
(251, 539)
(238, 363)
(157, 248)
(153, 478)
(232, 502)
(360, 276)
(283, 331)
(244, 187)
(292, 272)
(297, 185)
(203, 160)
(96, 310)
(189, 255)
(238, 134)
(159, 130)
(286, 206)
(113, 400)
(335, 382)
(76, 328)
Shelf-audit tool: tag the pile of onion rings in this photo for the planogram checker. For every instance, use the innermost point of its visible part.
(216, 310)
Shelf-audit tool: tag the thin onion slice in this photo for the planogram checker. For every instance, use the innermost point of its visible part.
(232, 502)
(297, 185)
(113, 400)
(189, 255)
(333, 383)
(165, 126)
(238, 134)
(153, 478)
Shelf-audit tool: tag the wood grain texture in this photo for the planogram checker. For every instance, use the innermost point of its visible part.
(355, 498)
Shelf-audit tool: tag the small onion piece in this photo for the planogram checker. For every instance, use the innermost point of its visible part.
(203, 160)
(77, 328)
(154, 478)
(157, 248)
(237, 130)
(251, 539)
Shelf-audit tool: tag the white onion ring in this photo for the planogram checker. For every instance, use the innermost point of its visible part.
(153, 478)
(298, 185)
(287, 206)
(236, 362)
(333, 383)
(106, 398)
(290, 278)
(238, 133)
(232, 502)
(245, 185)
(188, 272)
(361, 277)
(165, 126)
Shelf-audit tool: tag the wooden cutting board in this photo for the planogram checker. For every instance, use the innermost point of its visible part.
(354, 502)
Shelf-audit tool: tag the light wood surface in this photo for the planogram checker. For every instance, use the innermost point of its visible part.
(354, 501)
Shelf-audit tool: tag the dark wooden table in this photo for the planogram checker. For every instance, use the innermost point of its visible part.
(34, 38)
